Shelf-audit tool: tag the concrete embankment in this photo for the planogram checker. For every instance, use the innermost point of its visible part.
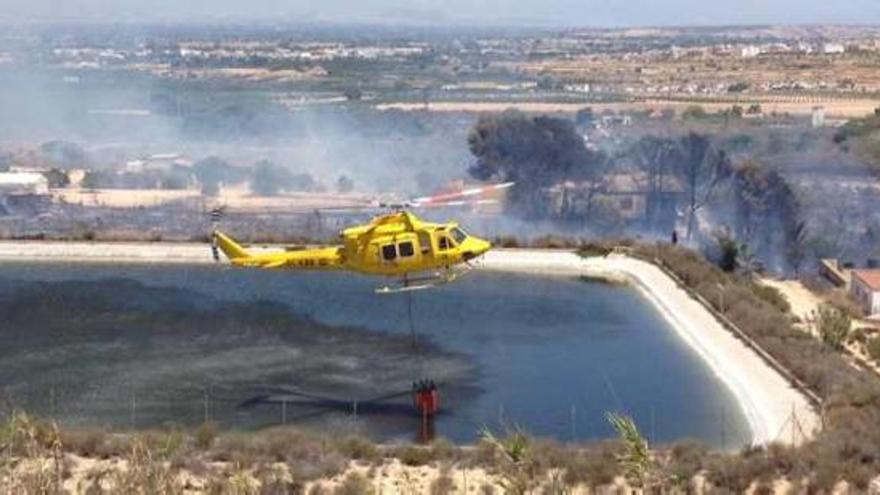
(774, 408)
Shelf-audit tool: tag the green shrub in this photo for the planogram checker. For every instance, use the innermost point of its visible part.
(833, 325)
(356, 447)
(773, 296)
(413, 455)
(686, 459)
(205, 435)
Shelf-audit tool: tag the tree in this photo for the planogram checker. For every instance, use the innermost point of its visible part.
(536, 153)
(176, 178)
(798, 245)
(302, 182)
(657, 158)
(344, 184)
(694, 112)
(585, 116)
(212, 172)
(833, 325)
(269, 178)
(95, 180)
(768, 211)
(702, 167)
(546, 82)
(57, 178)
(728, 248)
(738, 87)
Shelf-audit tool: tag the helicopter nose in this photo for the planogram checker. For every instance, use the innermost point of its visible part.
(477, 248)
(486, 245)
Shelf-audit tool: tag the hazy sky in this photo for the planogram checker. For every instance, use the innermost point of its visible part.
(599, 13)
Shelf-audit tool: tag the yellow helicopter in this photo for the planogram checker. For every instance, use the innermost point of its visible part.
(397, 244)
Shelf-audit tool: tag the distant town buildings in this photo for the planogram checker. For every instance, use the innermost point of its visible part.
(833, 48)
(750, 51)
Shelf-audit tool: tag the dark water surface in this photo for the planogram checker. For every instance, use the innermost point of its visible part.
(174, 344)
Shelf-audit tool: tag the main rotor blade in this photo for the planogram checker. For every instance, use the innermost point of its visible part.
(476, 202)
(474, 191)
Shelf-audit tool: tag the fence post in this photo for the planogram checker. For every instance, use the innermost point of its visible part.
(133, 410)
(207, 398)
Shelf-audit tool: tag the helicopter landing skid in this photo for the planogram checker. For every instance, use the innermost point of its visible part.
(414, 284)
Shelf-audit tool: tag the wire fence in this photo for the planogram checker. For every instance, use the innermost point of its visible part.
(139, 408)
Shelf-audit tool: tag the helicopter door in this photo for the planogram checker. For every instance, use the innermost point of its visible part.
(444, 245)
(425, 243)
(407, 251)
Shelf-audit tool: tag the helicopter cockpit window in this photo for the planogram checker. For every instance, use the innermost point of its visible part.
(406, 249)
(458, 235)
(389, 252)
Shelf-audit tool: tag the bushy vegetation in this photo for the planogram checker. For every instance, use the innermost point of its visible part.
(833, 325)
(849, 445)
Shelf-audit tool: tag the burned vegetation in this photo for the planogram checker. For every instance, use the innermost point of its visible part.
(788, 195)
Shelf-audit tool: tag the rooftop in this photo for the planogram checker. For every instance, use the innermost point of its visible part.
(871, 278)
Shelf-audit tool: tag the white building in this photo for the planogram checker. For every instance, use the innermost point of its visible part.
(750, 51)
(833, 48)
(23, 183)
(804, 47)
(865, 289)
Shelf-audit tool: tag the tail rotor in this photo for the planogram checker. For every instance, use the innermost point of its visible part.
(216, 216)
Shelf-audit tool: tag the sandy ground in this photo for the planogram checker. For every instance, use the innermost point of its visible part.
(85, 475)
(804, 304)
(843, 109)
(775, 410)
(802, 301)
(237, 200)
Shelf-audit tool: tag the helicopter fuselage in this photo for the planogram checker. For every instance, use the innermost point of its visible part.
(396, 244)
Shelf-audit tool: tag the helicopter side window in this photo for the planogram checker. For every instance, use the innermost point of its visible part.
(389, 252)
(406, 249)
(444, 243)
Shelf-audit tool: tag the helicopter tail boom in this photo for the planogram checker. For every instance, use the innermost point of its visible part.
(319, 258)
